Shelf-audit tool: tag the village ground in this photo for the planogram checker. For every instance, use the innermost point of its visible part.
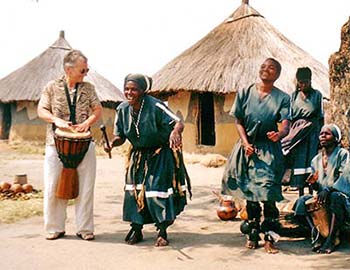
(198, 239)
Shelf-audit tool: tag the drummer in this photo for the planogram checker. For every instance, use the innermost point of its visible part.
(327, 167)
(69, 102)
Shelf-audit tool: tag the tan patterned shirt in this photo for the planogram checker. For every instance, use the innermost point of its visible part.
(53, 98)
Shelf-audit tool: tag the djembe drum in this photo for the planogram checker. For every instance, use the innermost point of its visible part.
(319, 216)
(71, 148)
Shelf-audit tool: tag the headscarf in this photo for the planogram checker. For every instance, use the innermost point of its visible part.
(303, 74)
(144, 82)
(335, 131)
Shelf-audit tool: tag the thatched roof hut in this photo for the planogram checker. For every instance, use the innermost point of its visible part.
(27, 82)
(229, 57)
(201, 82)
(22, 88)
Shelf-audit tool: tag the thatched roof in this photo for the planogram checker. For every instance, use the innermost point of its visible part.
(27, 82)
(229, 57)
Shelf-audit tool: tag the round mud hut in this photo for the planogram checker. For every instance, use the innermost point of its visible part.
(20, 93)
(339, 76)
(200, 84)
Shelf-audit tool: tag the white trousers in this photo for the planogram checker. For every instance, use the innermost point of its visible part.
(55, 209)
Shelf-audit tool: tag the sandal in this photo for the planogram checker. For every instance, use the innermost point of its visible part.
(88, 236)
(161, 242)
(55, 235)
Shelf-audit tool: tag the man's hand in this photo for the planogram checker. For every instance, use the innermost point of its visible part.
(82, 127)
(60, 123)
(249, 149)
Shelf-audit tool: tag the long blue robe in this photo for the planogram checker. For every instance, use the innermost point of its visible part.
(153, 166)
(259, 177)
(309, 109)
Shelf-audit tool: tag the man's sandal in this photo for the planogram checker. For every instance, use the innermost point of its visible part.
(55, 235)
(88, 236)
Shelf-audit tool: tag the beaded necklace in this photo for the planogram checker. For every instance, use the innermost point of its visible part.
(136, 120)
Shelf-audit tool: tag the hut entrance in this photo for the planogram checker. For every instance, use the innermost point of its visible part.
(5, 111)
(206, 120)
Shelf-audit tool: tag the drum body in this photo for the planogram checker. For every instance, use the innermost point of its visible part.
(319, 216)
(71, 148)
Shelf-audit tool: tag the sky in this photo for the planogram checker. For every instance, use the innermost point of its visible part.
(141, 36)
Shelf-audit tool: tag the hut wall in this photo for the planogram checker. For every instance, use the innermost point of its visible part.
(1, 119)
(25, 129)
(108, 116)
(186, 105)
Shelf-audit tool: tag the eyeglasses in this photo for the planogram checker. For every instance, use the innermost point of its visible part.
(84, 70)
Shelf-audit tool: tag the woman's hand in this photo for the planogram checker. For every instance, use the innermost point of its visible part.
(322, 196)
(175, 139)
(273, 136)
(312, 178)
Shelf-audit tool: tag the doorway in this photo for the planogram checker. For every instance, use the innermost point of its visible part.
(6, 121)
(206, 120)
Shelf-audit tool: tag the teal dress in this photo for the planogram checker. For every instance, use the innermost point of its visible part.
(327, 177)
(259, 177)
(155, 180)
(311, 110)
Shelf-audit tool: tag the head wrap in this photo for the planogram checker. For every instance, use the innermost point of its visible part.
(335, 131)
(144, 82)
(303, 74)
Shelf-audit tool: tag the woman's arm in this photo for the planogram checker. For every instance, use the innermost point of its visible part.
(175, 138)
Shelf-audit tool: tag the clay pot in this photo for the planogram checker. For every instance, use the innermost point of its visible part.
(16, 188)
(27, 188)
(4, 186)
(227, 210)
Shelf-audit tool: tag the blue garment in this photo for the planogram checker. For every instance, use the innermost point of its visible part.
(259, 177)
(311, 110)
(327, 177)
(153, 170)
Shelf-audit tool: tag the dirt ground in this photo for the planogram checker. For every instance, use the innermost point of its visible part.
(198, 239)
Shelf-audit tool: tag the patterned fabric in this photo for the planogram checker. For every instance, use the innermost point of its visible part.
(54, 99)
(155, 189)
(258, 177)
